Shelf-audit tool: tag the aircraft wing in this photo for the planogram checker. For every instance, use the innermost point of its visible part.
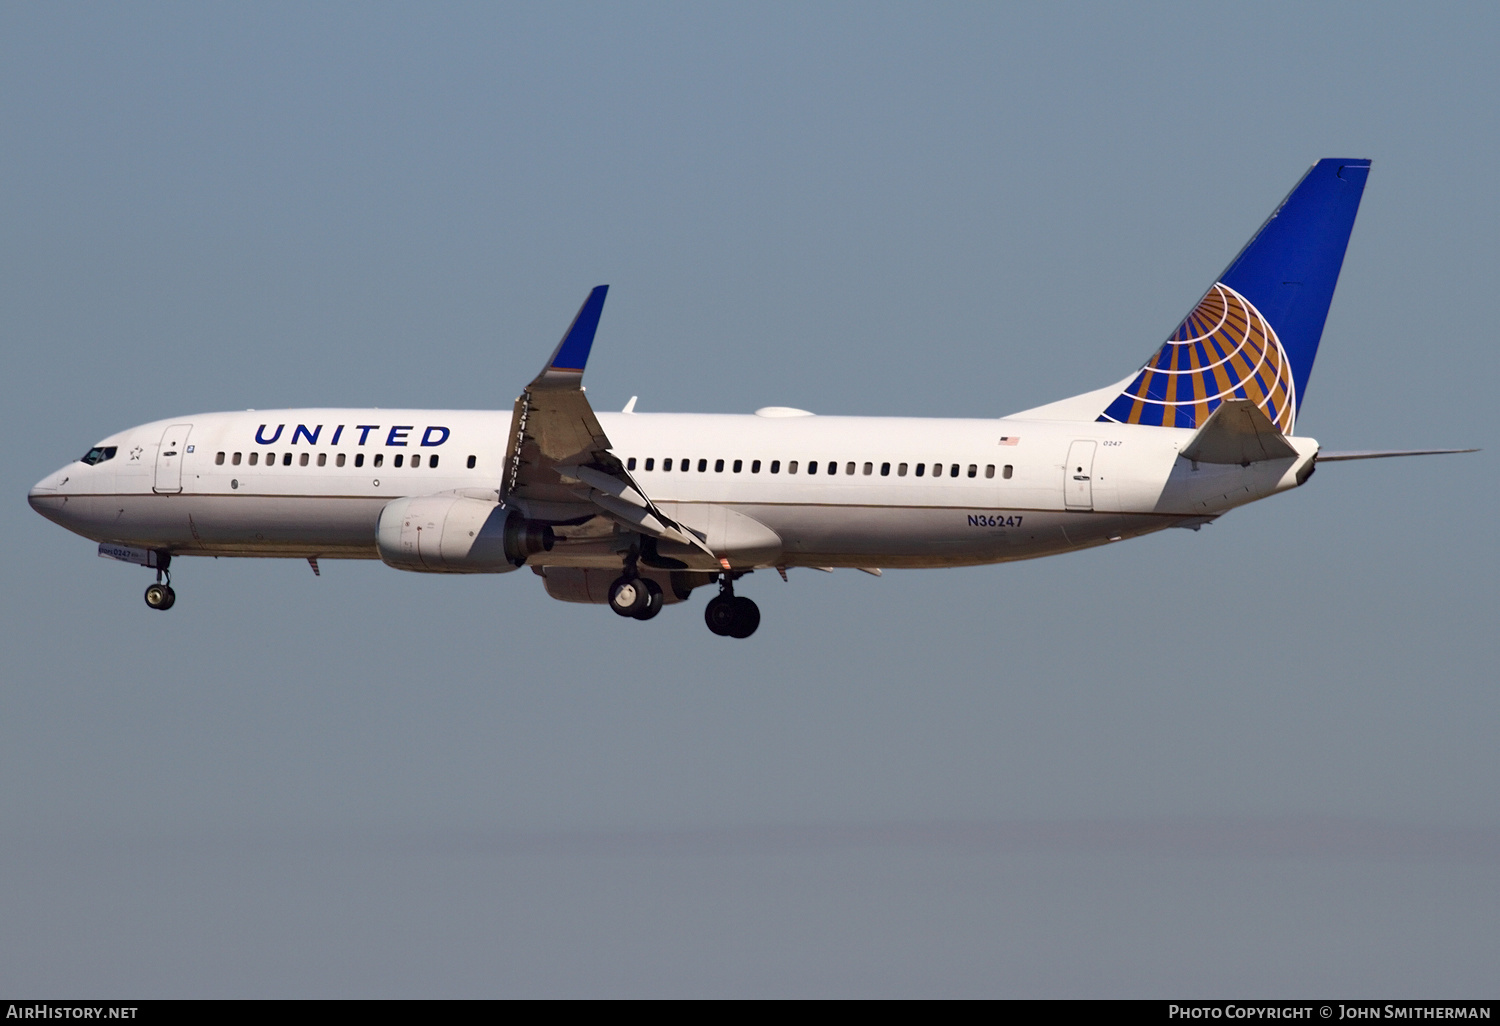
(558, 463)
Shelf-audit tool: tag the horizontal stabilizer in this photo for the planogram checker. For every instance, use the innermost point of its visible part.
(1238, 431)
(1380, 454)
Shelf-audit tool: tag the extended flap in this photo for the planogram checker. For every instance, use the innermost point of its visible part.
(1238, 431)
(730, 534)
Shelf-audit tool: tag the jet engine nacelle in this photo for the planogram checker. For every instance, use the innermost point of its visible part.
(453, 534)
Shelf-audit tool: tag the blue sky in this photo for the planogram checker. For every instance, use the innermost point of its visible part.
(375, 783)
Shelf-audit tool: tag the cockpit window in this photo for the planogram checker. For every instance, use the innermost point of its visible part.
(100, 453)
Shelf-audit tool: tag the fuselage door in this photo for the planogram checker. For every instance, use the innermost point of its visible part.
(1078, 476)
(169, 459)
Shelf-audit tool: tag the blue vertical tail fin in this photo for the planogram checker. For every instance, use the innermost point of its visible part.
(1255, 333)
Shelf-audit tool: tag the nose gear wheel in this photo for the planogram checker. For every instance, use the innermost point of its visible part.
(160, 596)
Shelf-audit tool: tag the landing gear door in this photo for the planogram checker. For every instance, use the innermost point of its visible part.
(1078, 476)
(169, 459)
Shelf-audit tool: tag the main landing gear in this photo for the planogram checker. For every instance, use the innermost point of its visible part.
(641, 598)
(729, 615)
(637, 597)
(160, 595)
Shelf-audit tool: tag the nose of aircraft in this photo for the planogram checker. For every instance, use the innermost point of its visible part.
(44, 496)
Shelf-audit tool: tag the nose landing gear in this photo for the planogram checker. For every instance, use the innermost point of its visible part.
(160, 595)
(729, 615)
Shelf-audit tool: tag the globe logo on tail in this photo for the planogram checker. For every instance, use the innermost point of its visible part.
(1224, 349)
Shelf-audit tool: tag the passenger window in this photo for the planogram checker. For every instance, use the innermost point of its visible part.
(219, 460)
(901, 470)
(432, 461)
(379, 458)
(472, 461)
(1006, 473)
(630, 463)
(953, 470)
(718, 466)
(286, 460)
(666, 464)
(338, 461)
(849, 469)
(791, 468)
(253, 457)
(833, 467)
(650, 462)
(359, 459)
(234, 460)
(937, 470)
(869, 469)
(775, 466)
(921, 469)
(416, 460)
(738, 466)
(973, 470)
(812, 466)
(395, 462)
(702, 466)
(303, 460)
(755, 466)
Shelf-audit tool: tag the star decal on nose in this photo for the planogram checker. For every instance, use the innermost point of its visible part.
(135, 453)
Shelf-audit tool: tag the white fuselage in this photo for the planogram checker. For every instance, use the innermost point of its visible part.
(312, 482)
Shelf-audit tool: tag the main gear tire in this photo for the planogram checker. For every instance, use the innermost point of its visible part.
(746, 618)
(719, 614)
(628, 596)
(654, 599)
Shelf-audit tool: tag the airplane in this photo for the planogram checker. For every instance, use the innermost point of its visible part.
(638, 510)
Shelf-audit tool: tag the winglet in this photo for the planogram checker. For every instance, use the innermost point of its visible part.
(565, 368)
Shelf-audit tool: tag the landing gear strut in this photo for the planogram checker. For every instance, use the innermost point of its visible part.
(729, 615)
(160, 595)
